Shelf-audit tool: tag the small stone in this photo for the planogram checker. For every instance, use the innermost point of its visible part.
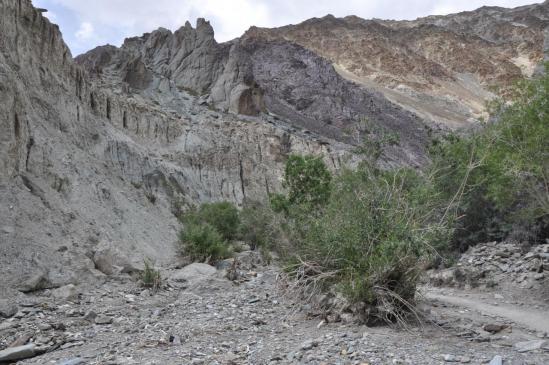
(175, 340)
(66, 293)
(103, 319)
(497, 360)
(7, 308)
(44, 326)
(529, 345)
(450, 358)
(494, 328)
(465, 360)
(308, 345)
(90, 316)
(498, 296)
(34, 283)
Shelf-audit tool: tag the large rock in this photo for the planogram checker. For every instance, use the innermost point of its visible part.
(110, 261)
(17, 353)
(66, 293)
(193, 273)
(84, 162)
(7, 308)
(34, 283)
(252, 76)
(530, 345)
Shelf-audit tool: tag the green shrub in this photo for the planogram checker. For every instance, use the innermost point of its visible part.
(371, 238)
(260, 227)
(202, 241)
(223, 216)
(307, 180)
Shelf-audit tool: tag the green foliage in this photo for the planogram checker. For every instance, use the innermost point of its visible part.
(279, 203)
(498, 177)
(375, 142)
(373, 234)
(259, 226)
(307, 180)
(223, 216)
(202, 241)
(150, 277)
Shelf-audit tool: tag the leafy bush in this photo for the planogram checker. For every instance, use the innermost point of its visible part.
(497, 179)
(308, 182)
(371, 237)
(260, 226)
(222, 216)
(202, 241)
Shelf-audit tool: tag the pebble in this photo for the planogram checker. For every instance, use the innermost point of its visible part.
(102, 319)
(450, 358)
(308, 345)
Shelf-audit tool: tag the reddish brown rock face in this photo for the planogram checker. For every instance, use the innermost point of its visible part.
(443, 68)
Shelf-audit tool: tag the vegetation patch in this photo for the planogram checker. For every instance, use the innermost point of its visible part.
(150, 277)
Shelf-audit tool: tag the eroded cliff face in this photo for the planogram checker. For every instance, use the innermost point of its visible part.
(442, 68)
(86, 167)
(99, 154)
(272, 80)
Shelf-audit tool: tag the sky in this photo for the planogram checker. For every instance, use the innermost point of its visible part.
(89, 23)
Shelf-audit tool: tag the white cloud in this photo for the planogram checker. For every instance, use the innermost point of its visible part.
(85, 31)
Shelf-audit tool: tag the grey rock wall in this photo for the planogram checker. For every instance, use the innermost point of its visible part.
(86, 165)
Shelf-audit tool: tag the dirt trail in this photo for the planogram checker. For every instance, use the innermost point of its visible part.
(532, 319)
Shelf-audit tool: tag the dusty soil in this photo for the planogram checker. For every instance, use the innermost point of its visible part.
(211, 320)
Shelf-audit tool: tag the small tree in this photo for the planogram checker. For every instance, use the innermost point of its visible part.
(308, 182)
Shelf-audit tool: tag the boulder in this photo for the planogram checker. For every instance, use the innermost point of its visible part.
(529, 345)
(7, 308)
(111, 261)
(17, 353)
(67, 293)
(34, 283)
(193, 273)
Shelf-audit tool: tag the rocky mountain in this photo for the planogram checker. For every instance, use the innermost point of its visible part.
(86, 169)
(254, 77)
(443, 68)
(97, 153)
